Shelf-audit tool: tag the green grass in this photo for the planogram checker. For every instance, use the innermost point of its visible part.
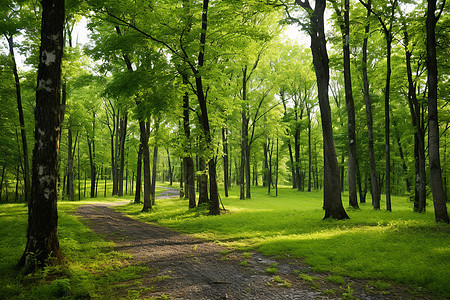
(92, 269)
(401, 246)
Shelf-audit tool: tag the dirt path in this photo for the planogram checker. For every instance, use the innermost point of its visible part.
(183, 267)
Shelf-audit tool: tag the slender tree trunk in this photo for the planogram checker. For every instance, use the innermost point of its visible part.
(42, 245)
(297, 157)
(269, 183)
(144, 127)
(291, 159)
(362, 195)
(153, 185)
(91, 146)
(122, 137)
(170, 168)
(203, 182)
(188, 162)
(332, 196)
(244, 135)
(79, 171)
(214, 208)
(265, 166)
(225, 160)
(137, 194)
(26, 165)
(350, 105)
(419, 134)
(276, 170)
(387, 125)
(373, 170)
(309, 149)
(70, 192)
(3, 178)
(440, 207)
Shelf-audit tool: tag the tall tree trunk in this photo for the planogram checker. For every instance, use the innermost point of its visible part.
(122, 137)
(309, 149)
(244, 136)
(419, 134)
(153, 185)
(170, 168)
(188, 162)
(276, 170)
(265, 166)
(297, 155)
(2, 179)
(91, 146)
(42, 245)
(202, 182)
(373, 169)
(269, 183)
(440, 207)
(291, 159)
(225, 160)
(332, 195)
(387, 125)
(26, 164)
(214, 208)
(137, 194)
(70, 154)
(350, 105)
(144, 127)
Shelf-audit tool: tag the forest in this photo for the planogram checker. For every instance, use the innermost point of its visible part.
(221, 101)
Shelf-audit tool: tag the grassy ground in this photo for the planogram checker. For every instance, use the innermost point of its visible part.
(92, 269)
(401, 246)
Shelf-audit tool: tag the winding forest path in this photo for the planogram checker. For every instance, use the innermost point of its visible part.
(183, 267)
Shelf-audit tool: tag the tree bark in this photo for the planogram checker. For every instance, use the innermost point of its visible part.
(122, 137)
(225, 160)
(42, 245)
(373, 169)
(153, 185)
(137, 194)
(26, 164)
(188, 162)
(419, 134)
(440, 207)
(70, 155)
(144, 127)
(350, 105)
(91, 146)
(332, 196)
(204, 119)
(202, 182)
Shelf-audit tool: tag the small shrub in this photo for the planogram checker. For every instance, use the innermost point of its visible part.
(60, 287)
(244, 263)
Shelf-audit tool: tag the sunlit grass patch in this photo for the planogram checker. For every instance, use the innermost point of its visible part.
(401, 245)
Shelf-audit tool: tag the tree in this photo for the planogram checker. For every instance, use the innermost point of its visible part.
(42, 240)
(332, 194)
(375, 190)
(386, 22)
(11, 27)
(345, 32)
(440, 207)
